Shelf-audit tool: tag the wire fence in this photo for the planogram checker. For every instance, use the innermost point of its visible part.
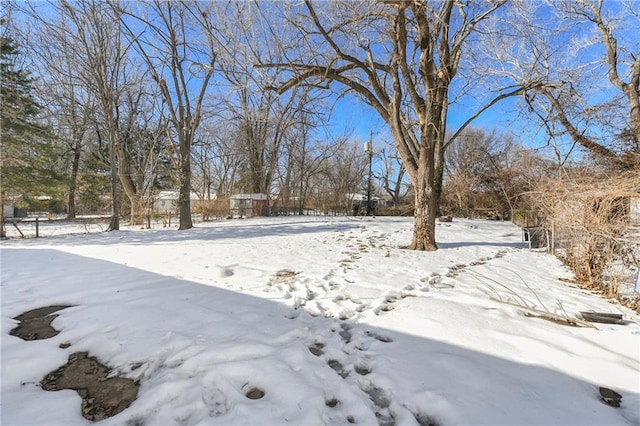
(609, 262)
(42, 227)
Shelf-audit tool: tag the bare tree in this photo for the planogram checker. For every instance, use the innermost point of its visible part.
(174, 39)
(585, 55)
(401, 58)
(100, 47)
(304, 164)
(228, 160)
(90, 44)
(461, 159)
(263, 121)
(262, 118)
(203, 157)
(393, 176)
(490, 171)
(345, 172)
(93, 79)
(71, 108)
(619, 60)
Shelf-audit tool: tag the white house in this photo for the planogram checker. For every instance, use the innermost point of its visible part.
(167, 201)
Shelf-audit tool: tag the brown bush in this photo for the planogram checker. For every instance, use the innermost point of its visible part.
(589, 216)
(212, 209)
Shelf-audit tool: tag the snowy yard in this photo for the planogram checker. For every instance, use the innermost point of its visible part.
(312, 321)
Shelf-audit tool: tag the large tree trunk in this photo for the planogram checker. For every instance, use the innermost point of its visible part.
(634, 104)
(138, 211)
(184, 200)
(73, 181)
(129, 186)
(3, 232)
(114, 223)
(427, 195)
(424, 220)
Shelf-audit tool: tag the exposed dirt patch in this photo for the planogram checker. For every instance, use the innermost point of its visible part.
(36, 324)
(331, 403)
(255, 393)
(102, 397)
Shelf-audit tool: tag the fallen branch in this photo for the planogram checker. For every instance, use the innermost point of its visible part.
(558, 319)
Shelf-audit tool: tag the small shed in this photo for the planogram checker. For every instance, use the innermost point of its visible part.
(167, 201)
(249, 205)
(8, 211)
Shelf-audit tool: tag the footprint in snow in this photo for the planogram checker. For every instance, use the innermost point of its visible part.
(317, 348)
(389, 303)
(379, 337)
(338, 368)
(381, 401)
(345, 333)
(436, 281)
(362, 369)
(215, 400)
(384, 308)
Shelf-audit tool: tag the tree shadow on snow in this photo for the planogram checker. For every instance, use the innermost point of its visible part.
(237, 229)
(203, 354)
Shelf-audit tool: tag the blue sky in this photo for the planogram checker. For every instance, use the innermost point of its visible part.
(354, 116)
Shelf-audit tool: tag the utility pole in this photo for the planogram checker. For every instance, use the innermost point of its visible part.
(368, 147)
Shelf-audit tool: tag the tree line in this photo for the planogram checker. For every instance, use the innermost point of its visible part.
(134, 97)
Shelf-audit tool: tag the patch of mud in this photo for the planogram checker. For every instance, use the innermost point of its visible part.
(102, 396)
(332, 403)
(36, 324)
(253, 393)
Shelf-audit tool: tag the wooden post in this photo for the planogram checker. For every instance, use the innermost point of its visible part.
(37, 227)
(15, 225)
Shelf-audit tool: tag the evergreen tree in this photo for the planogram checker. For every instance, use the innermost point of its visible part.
(27, 151)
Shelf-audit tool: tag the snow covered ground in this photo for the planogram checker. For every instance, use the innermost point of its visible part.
(329, 317)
